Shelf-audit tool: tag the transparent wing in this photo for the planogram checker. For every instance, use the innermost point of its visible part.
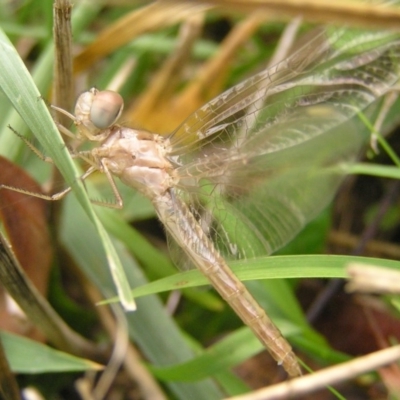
(260, 160)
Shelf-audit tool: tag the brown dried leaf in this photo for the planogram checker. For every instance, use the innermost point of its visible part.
(24, 219)
(339, 12)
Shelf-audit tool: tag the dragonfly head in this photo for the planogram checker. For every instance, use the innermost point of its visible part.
(106, 108)
(96, 111)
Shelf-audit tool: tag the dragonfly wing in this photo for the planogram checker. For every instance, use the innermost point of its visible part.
(356, 61)
(177, 255)
(270, 159)
(255, 207)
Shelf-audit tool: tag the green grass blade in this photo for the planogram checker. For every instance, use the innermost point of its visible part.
(17, 84)
(278, 267)
(30, 357)
(384, 171)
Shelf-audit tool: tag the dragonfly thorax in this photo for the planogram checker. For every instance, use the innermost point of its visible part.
(138, 159)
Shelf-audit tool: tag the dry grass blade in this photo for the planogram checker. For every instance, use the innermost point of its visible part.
(341, 12)
(211, 78)
(153, 17)
(329, 376)
(63, 95)
(159, 90)
(170, 111)
(372, 279)
(373, 247)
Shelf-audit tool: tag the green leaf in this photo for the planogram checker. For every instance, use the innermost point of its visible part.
(275, 267)
(18, 85)
(231, 351)
(26, 356)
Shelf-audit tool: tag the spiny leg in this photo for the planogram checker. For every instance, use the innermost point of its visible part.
(54, 197)
(84, 155)
(39, 154)
(33, 148)
(119, 202)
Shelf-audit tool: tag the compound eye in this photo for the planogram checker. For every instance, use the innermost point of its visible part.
(106, 108)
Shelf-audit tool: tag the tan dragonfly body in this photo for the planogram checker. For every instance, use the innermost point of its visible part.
(243, 174)
(138, 158)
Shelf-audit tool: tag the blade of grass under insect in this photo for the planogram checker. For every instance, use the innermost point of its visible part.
(18, 86)
(277, 267)
(306, 266)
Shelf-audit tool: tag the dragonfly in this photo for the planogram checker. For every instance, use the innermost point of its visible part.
(242, 175)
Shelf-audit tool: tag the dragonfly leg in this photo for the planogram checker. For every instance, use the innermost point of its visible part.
(65, 131)
(65, 112)
(53, 197)
(118, 204)
(49, 197)
(59, 195)
(39, 154)
(34, 149)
